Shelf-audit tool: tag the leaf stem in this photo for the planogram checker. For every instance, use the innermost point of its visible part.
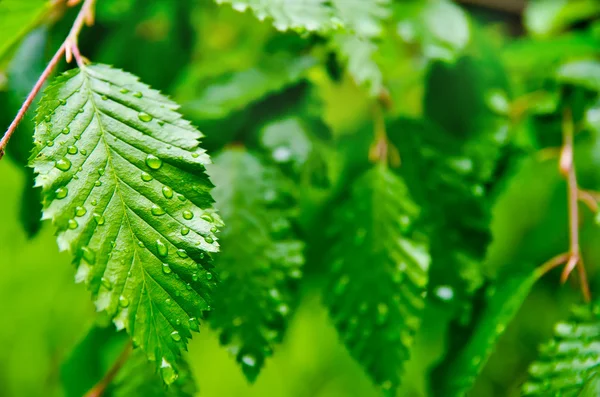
(100, 387)
(68, 47)
(572, 259)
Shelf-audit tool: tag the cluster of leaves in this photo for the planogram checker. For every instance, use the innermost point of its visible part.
(320, 170)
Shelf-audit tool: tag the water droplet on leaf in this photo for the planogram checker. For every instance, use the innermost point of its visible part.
(66, 130)
(161, 248)
(167, 192)
(185, 231)
(106, 283)
(123, 301)
(63, 164)
(72, 150)
(182, 253)
(138, 94)
(145, 117)
(157, 211)
(72, 224)
(80, 211)
(187, 215)
(146, 177)
(62, 192)
(99, 219)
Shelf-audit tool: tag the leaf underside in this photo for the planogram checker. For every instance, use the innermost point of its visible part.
(124, 183)
(261, 258)
(378, 278)
(569, 364)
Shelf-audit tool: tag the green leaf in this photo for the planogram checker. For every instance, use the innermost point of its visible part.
(378, 275)
(237, 90)
(570, 360)
(362, 17)
(358, 53)
(17, 18)
(261, 258)
(503, 301)
(124, 183)
(91, 358)
(440, 27)
(301, 15)
(544, 18)
(585, 73)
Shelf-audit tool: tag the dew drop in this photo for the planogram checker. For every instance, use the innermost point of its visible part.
(181, 197)
(181, 253)
(106, 283)
(187, 215)
(63, 164)
(66, 130)
(167, 372)
(167, 192)
(166, 268)
(123, 301)
(145, 117)
(195, 155)
(104, 97)
(194, 324)
(50, 143)
(62, 192)
(146, 177)
(77, 137)
(62, 102)
(185, 231)
(157, 211)
(123, 90)
(248, 360)
(209, 239)
(72, 224)
(161, 123)
(83, 151)
(161, 248)
(153, 162)
(80, 211)
(209, 276)
(89, 255)
(207, 218)
(72, 150)
(98, 183)
(141, 244)
(138, 94)
(100, 171)
(94, 202)
(283, 309)
(99, 219)
(195, 277)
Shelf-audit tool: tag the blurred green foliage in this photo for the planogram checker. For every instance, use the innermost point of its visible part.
(470, 101)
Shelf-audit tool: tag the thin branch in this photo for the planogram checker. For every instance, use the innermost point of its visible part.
(100, 387)
(68, 47)
(571, 259)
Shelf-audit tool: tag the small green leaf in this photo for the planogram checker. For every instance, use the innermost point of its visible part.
(378, 275)
(544, 18)
(301, 15)
(261, 258)
(237, 90)
(108, 204)
(358, 53)
(440, 27)
(17, 18)
(571, 361)
(504, 300)
(91, 358)
(583, 73)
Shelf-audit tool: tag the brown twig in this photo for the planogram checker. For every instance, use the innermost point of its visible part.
(572, 258)
(382, 150)
(100, 387)
(68, 48)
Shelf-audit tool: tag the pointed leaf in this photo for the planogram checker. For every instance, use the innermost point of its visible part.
(124, 183)
(260, 260)
(378, 277)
